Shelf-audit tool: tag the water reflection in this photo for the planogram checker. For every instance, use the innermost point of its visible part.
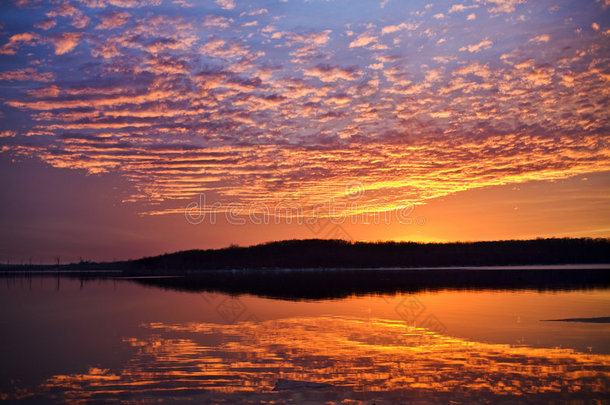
(365, 361)
(341, 283)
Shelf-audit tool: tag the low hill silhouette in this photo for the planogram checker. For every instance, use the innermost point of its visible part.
(319, 253)
(322, 269)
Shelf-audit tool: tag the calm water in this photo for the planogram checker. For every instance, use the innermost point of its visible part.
(111, 341)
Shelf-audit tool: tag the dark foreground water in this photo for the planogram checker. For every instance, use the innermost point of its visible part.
(63, 340)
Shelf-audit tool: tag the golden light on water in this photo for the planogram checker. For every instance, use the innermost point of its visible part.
(358, 358)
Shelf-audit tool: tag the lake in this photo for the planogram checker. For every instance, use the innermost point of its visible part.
(66, 340)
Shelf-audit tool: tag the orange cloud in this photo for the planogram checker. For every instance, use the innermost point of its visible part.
(120, 3)
(328, 73)
(65, 42)
(544, 38)
(484, 44)
(363, 39)
(45, 24)
(27, 74)
(501, 6)
(113, 20)
(226, 4)
(10, 48)
(213, 21)
(389, 29)
(460, 7)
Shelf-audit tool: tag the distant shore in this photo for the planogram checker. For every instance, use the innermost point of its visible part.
(315, 268)
(325, 283)
(340, 254)
(51, 269)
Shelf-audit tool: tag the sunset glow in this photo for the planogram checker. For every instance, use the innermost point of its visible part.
(427, 106)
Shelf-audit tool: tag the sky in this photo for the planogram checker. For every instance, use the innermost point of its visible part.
(138, 127)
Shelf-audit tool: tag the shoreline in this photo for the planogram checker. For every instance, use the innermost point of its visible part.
(328, 283)
(52, 269)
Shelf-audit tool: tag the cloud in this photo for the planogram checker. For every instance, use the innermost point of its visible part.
(27, 74)
(260, 11)
(315, 38)
(65, 42)
(460, 7)
(308, 43)
(45, 92)
(501, 6)
(45, 24)
(484, 44)
(65, 10)
(328, 73)
(16, 40)
(26, 37)
(8, 134)
(220, 48)
(226, 4)
(183, 3)
(474, 68)
(443, 59)
(213, 21)
(605, 3)
(389, 29)
(363, 39)
(112, 20)
(544, 38)
(80, 21)
(166, 65)
(119, 3)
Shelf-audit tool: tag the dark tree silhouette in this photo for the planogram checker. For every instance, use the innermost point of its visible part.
(318, 253)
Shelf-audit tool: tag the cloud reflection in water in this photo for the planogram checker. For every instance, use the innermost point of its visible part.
(364, 359)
